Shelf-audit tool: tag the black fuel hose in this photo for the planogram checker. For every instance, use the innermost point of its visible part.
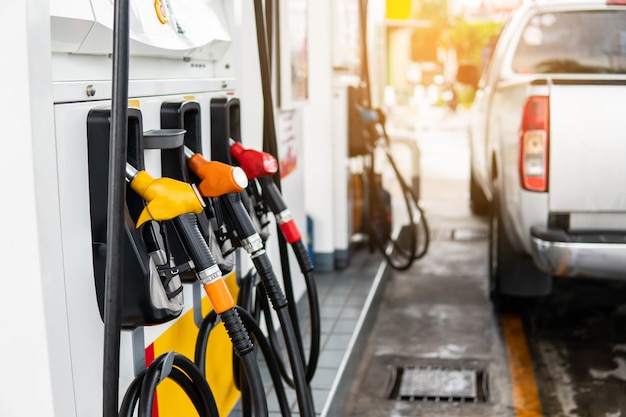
(206, 327)
(114, 264)
(209, 323)
(208, 273)
(272, 336)
(413, 253)
(288, 233)
(244, 300)
(179, 369)
(253, 244)
(263, 195)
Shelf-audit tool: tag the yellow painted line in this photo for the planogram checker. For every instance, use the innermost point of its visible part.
(523, 385)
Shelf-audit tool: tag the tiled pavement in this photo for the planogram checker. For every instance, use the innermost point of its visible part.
(348, 300)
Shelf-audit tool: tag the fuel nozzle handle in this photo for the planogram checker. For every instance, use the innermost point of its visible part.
(274, 199)
(286, 222)
(210, 276)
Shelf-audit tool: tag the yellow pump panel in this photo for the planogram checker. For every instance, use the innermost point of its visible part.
(398, 9)
(181, 338)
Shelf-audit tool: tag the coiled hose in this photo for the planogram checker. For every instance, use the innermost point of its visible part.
(209, 323)
(180, 370)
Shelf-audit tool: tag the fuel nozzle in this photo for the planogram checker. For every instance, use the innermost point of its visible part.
(179, 202)
(212, 280)
(167, 198)
(261, 165)
(254, 163)
(246, 232)
(216, 177)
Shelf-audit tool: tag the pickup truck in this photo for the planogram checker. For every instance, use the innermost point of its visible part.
(548, 146)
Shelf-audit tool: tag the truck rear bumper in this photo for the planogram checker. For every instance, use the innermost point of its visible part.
(559, 253)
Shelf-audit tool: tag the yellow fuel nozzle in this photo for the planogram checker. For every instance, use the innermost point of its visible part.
(167, 198)
(217, 178)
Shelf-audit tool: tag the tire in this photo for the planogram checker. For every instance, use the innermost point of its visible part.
(478, 202)
(514, 280)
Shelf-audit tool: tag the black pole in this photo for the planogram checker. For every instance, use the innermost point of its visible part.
(365, 69)
(270, 145)
(115, 211)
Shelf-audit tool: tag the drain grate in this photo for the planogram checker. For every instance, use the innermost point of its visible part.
(434, 383)
(469, 235)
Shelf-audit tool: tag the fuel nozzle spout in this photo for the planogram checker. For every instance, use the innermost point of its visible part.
(254, 163)
(216, 177)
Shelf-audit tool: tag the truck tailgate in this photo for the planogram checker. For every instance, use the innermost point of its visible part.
(587, 166)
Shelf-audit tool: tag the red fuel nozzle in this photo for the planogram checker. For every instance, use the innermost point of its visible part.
(254, 163)
(217, 178)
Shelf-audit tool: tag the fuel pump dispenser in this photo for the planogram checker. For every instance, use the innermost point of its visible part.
(110, 71)
(152, 203)
(166, 200)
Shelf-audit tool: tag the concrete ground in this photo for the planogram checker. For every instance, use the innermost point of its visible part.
(437, 315)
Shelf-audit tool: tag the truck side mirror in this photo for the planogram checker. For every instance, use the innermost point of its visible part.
(468, 74)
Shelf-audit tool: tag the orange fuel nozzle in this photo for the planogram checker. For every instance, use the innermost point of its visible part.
(254, 163)
(167, 198)
(216, 178)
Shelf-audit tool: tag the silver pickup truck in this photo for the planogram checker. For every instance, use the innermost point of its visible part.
(548, 146)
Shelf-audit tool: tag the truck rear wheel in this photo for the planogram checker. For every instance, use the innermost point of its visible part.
(478, 202)
(514, 280)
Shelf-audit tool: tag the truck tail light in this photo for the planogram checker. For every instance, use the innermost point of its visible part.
(533, 162)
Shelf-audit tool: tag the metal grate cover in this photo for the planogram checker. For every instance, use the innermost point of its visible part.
(432, 383)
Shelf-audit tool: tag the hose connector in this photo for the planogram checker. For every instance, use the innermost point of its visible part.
(253, 243)
(288, 226)
(210, 274)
